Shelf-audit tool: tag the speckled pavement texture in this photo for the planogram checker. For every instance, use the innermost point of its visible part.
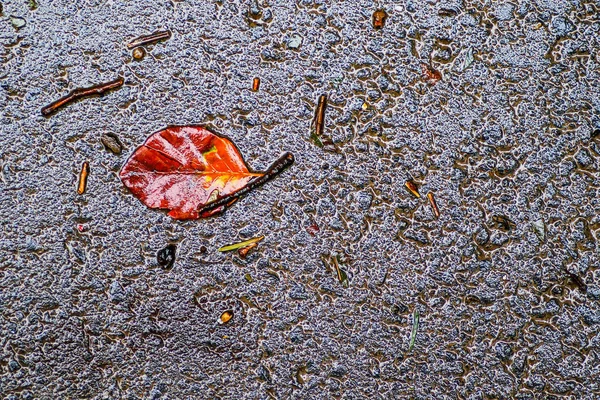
(506, 281)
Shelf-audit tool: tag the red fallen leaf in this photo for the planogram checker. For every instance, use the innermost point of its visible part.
(181, 168)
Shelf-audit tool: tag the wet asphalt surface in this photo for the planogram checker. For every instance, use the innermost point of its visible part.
(506, 281)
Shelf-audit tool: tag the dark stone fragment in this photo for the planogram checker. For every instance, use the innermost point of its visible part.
(166, 257)
(13, 366)
(584, 158)
(447, 12)
(503, 351)
(593, 292)
(117, 294)
(112, 143)
(518, 366)
(399, 308)
(263, 374)
(297, 292)
(364, 200)
(417, 236)
(296, 335)
(48, 303)
(590, 318)
(482, 237)
(339, 371)
(503, 223)
(536, 382)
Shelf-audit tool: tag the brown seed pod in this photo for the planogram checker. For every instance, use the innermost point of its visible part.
(138, 53)
(413, 188)
(255, 84)
(379, 18)
(243, 252)
(226, 317)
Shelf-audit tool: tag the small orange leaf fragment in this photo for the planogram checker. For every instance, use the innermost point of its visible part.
(430, 74)
(243, 252)
(412, 187)
(379, 18)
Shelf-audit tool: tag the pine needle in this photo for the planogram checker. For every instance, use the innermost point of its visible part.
(413, 334)
(239, 245)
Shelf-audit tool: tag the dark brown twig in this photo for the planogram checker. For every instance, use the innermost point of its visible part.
(447, 12)
(278, 166)
(148, 39)
(79, 93)
(320, 115)
(319, 126)
(579, 282)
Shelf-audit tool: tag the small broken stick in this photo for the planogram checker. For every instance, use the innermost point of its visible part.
(320, 115)
(278, 166)
(83, 176)
(148, 39)
(433, 203)
(341, 274)
(318, 126)
(79, 93)
(243, 252)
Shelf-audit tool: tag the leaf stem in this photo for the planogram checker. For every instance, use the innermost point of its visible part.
(413, 334)
(149, 39)
(275, 169)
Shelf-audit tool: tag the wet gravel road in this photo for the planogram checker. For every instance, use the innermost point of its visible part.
(506, 281)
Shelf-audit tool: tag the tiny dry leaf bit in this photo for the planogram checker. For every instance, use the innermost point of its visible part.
(181, 168)
(379, 18)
